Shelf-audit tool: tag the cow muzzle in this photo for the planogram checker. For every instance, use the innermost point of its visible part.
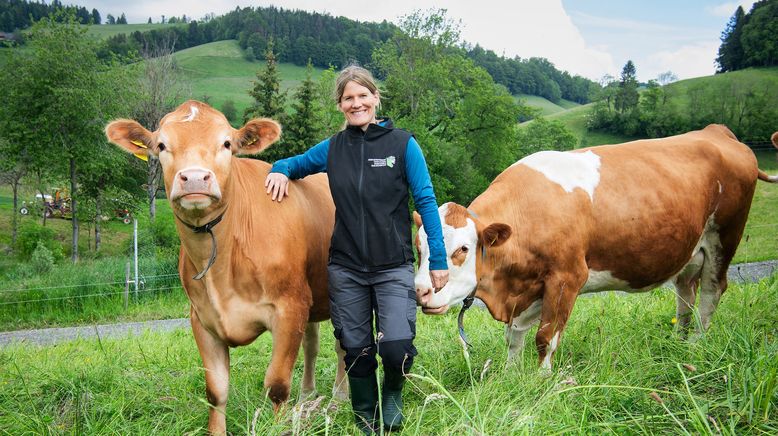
(195, 188)
(424, 297)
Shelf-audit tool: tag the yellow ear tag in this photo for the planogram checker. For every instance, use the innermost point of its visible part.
(142, 157)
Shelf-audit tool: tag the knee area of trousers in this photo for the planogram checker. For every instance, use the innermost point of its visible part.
(360, 362)
(397, 355)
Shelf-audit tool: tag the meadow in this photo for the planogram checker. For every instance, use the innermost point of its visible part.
(620, 369)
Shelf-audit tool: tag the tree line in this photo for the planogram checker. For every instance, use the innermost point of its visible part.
(20, 14)
(299, 36)
(750, 39)
(745, 104)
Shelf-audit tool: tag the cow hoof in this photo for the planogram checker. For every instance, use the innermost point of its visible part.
(340, 396)
(308, 395)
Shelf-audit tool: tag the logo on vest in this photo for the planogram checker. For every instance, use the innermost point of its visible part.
(388, 162)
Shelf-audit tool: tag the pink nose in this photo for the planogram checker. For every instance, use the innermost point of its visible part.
(195, 181)
(423, 295)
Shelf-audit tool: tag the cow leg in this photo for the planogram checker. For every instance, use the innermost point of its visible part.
(559, 294)
(517, 329)
(340, 389)
(686, 291)
(310, 351)
(685, 297)
(287, 335)
(216, 361)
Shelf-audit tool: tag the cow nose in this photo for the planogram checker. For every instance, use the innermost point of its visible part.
(195, 180)
(423, 294)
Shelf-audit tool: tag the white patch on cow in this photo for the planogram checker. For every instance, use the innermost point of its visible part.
(462, 279)
(546, 365)
(721, 188)
(517, 329)
(603, 281)
(192, 114)
(568, 170)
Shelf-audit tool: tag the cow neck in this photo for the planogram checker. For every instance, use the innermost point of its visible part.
(206, 228)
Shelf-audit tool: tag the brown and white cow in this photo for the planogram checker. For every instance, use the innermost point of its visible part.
(615, 217)
(270, 269)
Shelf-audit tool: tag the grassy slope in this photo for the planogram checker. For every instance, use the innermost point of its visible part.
(104, 30)
(546, 107)
(219, 71)
(751, 75)
(616, 352)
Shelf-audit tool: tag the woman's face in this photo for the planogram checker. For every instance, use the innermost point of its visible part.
(358, 105)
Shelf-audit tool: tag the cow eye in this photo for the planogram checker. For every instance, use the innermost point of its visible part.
(464, 249)
(227, 145)
(161, 146)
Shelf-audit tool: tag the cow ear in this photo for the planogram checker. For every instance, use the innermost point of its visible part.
(417, 219)
(257, 135)
(130, 136)
(495, 234)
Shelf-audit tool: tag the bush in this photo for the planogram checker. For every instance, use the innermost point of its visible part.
(32, 233)
(42, 260)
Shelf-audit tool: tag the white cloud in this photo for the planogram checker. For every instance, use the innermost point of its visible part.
(726, 10)
(687, 61)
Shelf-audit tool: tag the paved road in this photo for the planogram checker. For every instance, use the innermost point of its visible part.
(747, 272)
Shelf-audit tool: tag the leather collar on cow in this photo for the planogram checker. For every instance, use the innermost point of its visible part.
(207, 228)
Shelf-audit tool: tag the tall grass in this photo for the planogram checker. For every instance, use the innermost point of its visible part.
(619, 369)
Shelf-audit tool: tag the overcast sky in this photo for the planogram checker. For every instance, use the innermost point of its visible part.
(586, 37)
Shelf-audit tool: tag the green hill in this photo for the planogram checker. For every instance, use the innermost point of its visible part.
(546, 107)
(103, 31)
(219, 71)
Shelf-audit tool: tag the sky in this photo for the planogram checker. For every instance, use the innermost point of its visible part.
(591, 38)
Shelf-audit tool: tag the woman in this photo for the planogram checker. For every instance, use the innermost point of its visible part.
(371, 166)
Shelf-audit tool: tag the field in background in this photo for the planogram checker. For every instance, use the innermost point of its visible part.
(620, 368)
(219, 70)
(546, 107)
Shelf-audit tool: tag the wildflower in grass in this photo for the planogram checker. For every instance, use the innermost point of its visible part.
(674, 321)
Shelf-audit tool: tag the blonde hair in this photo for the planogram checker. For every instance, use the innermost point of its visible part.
(357, 74)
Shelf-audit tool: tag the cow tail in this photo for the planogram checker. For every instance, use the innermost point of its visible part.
(762, 175)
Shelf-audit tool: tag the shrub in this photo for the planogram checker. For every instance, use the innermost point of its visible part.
(42, 259)
(30, 234)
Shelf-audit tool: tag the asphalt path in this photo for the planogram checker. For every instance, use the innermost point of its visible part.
(741, 273)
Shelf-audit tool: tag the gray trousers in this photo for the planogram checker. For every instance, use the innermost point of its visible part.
(386, 298)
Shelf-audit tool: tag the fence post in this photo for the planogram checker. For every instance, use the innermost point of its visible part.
(126, 285)
(135, 246)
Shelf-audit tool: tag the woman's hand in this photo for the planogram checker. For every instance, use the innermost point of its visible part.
(277, 185)
(439, 278)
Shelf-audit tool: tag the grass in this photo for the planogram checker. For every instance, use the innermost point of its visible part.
(104, 31)
(220, 71)
(546, 107)
(620, 369)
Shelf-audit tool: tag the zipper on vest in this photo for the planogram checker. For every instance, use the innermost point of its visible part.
(361, 199)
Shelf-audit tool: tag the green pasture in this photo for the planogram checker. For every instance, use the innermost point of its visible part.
(103, 31)
(219, 71)
(620, 369)
(546, 107)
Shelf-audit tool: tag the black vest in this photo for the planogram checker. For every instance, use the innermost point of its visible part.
(366, 171)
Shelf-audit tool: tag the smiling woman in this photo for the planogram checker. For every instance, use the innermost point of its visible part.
(371, 166)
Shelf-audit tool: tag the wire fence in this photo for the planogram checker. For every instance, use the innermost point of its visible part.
(161, 282)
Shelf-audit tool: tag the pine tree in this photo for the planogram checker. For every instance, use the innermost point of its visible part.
(627, 95)
(302, 129)
(267, 95)
(730, 57)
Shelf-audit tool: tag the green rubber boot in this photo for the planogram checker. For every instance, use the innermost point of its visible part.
(364, 401)
(391, 399)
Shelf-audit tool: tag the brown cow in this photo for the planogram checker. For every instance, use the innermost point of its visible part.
(270, 266)
(616, 217)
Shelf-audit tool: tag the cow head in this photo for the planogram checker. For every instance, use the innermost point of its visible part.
(466, 240)
(195, 145)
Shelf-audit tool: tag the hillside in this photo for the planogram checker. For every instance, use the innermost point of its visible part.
(219, 70)
(107, 30)
(546, 106)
